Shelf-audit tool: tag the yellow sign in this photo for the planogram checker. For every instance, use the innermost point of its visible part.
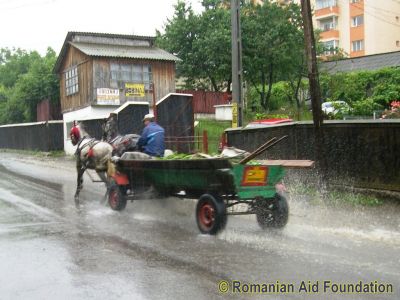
(255, 175)
(234, 115)
(134, 89)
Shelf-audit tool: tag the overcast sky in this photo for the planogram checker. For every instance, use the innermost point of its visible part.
(38, 24)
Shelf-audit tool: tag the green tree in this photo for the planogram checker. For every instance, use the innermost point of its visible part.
(14, 63)
(213, 45)
(32, 81)
(273, 46)
(272, 43)
(202, 42)
(180, 33)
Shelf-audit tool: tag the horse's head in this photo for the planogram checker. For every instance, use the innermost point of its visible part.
(110, 130)
(75, 135)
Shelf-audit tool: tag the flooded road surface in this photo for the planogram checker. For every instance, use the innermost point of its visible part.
(153, 250)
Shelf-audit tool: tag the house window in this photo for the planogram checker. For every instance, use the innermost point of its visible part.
(320, 4)
(71, 81)
(358, 45)
(130, 73)
(357, 21)
(354, 1)
(397, 43)
(330, 47)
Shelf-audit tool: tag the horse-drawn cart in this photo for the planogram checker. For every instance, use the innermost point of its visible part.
(218, 185)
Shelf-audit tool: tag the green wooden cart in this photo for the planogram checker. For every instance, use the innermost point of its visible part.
(218, 185)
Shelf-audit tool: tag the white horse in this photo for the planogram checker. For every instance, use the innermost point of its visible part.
(90, 154)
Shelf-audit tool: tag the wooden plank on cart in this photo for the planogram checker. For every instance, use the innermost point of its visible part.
(288, 163)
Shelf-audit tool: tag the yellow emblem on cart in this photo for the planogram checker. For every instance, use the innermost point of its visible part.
(255, 176)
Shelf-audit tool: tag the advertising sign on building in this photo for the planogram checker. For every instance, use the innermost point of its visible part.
(106, 96)
(134, 90)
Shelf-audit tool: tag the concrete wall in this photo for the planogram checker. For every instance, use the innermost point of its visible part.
(223, 112)
(361, 153)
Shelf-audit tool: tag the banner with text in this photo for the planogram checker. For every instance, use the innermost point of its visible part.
(134, 90)
(106, 96)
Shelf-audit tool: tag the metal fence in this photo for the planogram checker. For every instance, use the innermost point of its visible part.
(191, 144)
(204, 101)
(40, 136)
(364, 153)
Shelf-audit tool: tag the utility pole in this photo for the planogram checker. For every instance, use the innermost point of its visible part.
(311, 54)
(315, 92)
(237, 71)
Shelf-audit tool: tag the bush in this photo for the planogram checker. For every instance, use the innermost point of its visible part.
(366, 107)
(365, 91)
(280, 96)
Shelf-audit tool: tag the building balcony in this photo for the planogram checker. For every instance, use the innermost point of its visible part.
(327, 12)
(330, 34)
(327, 27)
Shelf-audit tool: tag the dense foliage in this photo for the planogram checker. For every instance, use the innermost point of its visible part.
(273, 48)
(26, 78)
(202, 42)
(272, 44)
(365, 91)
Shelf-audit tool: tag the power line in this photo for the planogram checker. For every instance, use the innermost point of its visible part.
(344, 2)
(384, 10)
(377, 17)
(366, 6)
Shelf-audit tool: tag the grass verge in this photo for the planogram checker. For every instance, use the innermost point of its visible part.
(58, 153)
(214, 131)
(334, 197)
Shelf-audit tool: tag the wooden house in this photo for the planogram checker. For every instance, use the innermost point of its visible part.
(98, 72)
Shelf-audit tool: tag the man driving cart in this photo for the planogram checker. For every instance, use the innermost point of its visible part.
(151, 141)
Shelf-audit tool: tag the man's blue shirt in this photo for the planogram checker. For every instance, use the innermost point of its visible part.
(152, 140)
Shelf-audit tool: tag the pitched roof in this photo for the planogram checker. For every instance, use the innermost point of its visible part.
(138, 52)
(368, 62)
(113, 45)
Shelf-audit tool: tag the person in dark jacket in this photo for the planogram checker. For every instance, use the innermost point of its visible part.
(151, 141)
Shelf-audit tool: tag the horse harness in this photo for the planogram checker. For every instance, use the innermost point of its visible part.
(91, 142)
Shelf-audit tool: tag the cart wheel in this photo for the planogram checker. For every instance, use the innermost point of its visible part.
(272, 213)
(117, 196)
(210, 214)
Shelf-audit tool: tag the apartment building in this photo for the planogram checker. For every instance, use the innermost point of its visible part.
(358, 27)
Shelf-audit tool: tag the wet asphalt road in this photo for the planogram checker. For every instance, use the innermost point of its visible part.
(51, 250)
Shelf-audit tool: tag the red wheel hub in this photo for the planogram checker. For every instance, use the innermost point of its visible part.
(207, 215)
(113, 198)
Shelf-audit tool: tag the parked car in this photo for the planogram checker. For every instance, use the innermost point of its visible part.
(335, 107)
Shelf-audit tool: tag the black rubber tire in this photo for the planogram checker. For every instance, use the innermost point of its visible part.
(272, 213)
(117, 196)
(210, 214)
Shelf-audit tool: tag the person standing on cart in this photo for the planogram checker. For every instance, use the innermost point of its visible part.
(151, 141)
